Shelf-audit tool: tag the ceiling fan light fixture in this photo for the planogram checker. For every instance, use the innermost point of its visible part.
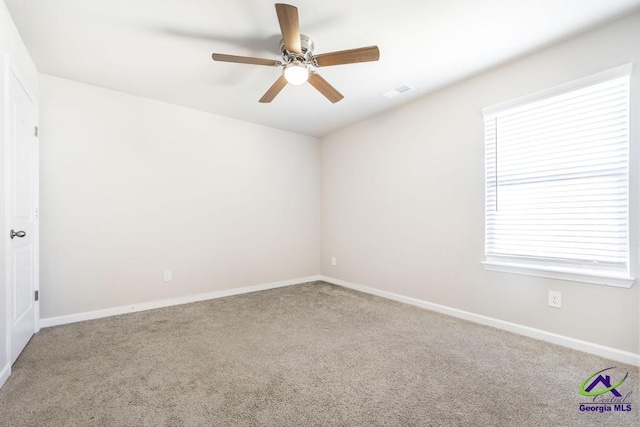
(296, 73)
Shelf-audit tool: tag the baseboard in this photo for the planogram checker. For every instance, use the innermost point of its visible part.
(79, 317)
(4, 373)
(576, 344)
(573, 343)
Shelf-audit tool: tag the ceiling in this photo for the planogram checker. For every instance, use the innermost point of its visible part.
(161, 49)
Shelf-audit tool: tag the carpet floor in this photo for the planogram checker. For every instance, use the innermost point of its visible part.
(310, 354)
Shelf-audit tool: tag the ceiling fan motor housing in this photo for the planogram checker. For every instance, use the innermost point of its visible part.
(306, 45)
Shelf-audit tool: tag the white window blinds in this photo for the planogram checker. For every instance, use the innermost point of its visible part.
(557, 181)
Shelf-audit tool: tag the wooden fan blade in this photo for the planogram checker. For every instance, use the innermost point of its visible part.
(351, 56)
(325, 88)
(274, 90)
(244, 59)
(289, 26)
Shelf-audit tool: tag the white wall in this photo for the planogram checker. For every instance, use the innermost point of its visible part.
(13, 50)
(131, 187)
(403, 199)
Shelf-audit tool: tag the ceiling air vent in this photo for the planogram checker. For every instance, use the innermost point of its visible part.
(398, 90)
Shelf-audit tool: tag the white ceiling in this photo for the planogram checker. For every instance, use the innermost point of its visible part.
(161, 49)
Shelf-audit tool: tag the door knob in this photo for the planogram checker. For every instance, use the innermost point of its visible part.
(20, 234)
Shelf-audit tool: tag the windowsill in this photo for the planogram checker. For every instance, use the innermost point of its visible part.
(540, 271)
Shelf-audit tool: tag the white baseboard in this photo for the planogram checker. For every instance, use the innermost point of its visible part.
(114, 311)
(576, 344)
(4, 373)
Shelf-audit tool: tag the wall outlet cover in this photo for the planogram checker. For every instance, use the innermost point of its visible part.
(555, 299)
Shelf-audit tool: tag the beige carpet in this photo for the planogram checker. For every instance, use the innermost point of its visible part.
(311, 354)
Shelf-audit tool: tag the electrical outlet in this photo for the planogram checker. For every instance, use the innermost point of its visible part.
(555, 299)
(168, 276)
(334, 261)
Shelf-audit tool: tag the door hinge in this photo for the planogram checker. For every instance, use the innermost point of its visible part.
(36, 130)
(37, 295)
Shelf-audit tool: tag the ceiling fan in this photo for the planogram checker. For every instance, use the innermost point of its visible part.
(298, 59)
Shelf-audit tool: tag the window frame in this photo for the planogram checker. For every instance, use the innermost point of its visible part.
(564, 271)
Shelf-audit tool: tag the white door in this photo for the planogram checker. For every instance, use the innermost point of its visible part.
(22, 226)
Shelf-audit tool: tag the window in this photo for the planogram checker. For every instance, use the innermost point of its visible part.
(557, 182)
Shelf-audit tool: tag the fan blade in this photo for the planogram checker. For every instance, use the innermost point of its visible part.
(289, 26)
(244, 59)
(325, 88)
(274, 90)
(363, 54)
